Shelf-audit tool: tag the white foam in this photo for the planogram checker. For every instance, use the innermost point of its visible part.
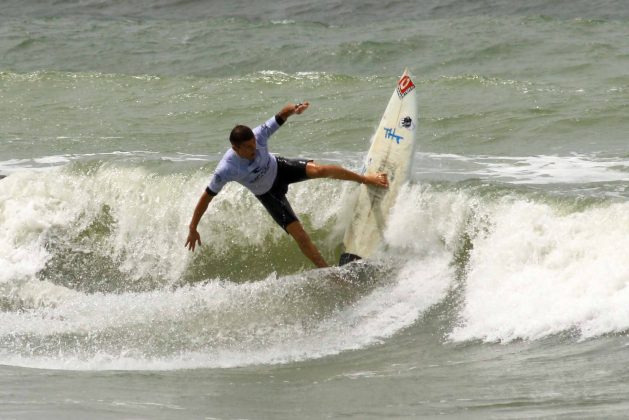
(35, 206)
(419, 285)
(534, 269)
(270, 321)
(30, 206)
(423, 222)
(52, 160)
(539, 271)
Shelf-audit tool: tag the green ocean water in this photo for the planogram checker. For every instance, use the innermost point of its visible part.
(501, 290)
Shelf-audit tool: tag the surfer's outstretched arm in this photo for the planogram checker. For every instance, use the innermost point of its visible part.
(193, 234)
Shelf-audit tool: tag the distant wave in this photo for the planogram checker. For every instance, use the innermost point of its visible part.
(530, 170)
(324, 11)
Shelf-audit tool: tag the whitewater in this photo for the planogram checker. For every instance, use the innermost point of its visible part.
(95, 275)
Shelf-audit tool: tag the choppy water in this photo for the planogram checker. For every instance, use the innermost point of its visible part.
(502, 291)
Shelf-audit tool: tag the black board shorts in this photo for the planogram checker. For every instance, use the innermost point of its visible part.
(274, 201)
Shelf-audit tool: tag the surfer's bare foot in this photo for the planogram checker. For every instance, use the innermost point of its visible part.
(379, 180)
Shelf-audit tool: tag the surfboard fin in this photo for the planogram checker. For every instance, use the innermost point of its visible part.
(346, 258)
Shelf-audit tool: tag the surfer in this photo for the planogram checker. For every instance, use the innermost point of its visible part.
(249, 163)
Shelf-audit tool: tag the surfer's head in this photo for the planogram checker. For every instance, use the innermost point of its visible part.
(243, 142)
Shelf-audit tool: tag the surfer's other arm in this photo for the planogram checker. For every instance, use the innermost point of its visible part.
(292, 109)
(193, 234)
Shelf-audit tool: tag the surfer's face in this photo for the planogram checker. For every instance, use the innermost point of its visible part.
(246, 150)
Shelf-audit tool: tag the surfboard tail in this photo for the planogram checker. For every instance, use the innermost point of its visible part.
(347, 258)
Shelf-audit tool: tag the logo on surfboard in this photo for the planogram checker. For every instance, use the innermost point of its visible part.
(407, 122)
(404, 86)
(389, 133)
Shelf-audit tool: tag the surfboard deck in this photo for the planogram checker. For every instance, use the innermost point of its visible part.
(391, 152)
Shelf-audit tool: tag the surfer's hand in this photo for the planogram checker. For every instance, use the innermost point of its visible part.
(291, 109)
(193, 238)
(299, 108)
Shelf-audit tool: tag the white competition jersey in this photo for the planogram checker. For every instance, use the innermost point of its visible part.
(258, 174)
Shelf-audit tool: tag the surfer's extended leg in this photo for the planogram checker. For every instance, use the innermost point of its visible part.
(296, 230)
(314, 170)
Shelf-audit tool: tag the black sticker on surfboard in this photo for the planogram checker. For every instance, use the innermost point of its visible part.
(407, 122)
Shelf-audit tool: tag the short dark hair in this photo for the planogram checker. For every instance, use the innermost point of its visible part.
(240, 134)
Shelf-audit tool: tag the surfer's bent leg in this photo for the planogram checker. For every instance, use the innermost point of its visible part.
(315, 170)
(279, 208)
(296, 230)
(276, 203)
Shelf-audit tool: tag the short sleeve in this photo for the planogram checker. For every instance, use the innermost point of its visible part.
(265, 130)
(216, 185)
(218, 181)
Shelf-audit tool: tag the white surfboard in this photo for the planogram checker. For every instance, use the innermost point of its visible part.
(391, 152)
